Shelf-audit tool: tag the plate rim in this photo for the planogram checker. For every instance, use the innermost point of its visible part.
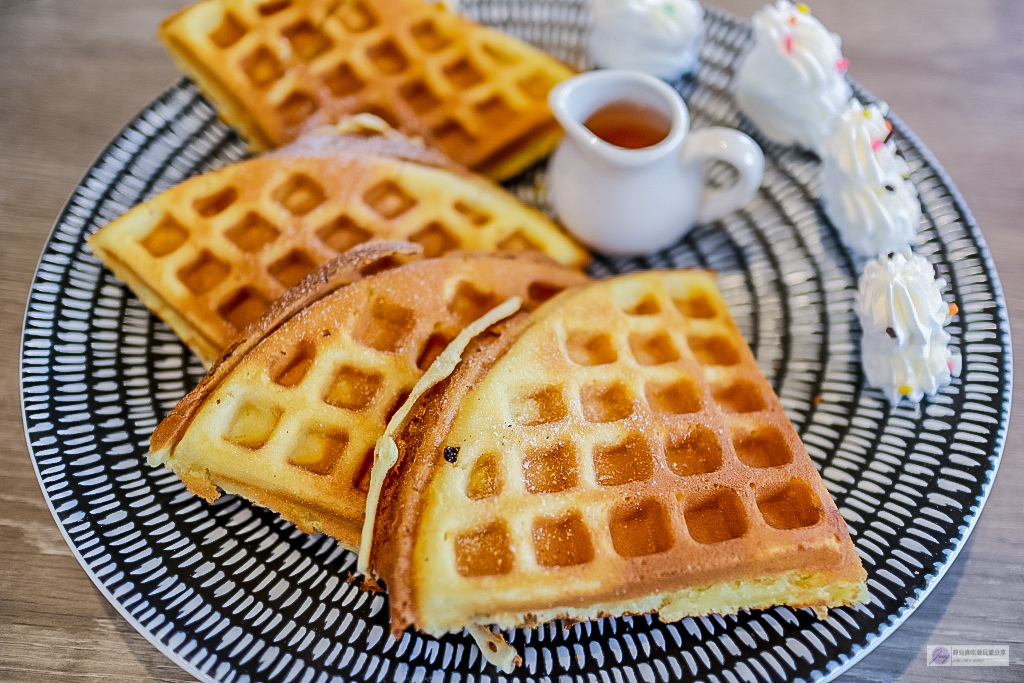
(64, 211)
(874, 640)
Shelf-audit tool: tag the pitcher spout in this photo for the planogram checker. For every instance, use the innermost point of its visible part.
(559, 101)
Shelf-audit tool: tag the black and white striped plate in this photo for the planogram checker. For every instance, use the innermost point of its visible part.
(232, 593)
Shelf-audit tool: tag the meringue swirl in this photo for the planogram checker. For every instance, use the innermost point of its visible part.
(792, 84)
(658, 37)
(865, 187)
(905, 348)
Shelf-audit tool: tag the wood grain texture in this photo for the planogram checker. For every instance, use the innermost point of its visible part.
(73, 73)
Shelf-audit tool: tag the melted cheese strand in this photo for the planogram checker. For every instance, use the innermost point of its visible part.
(494, 648)
(385, 453)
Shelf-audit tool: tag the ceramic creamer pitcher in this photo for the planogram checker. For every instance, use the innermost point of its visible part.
(624, 200)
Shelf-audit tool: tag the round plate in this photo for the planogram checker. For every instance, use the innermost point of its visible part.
(232, 593)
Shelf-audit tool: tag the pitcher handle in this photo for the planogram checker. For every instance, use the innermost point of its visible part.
(737, 150)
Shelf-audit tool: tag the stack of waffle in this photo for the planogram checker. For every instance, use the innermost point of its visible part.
(615, 450)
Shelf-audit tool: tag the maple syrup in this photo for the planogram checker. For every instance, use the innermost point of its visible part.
(629, 124)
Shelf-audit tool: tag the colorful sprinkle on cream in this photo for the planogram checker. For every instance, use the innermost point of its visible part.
(787, 43)
(876, 145)
(842, 63)
(905, 389)
(953, 310)
(803, 8)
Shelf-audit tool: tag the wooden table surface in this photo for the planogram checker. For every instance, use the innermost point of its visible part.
(73, 73)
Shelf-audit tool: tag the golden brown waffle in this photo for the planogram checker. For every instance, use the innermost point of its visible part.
(210, 254)
(289, 416)
(276, 67)
(622, 455)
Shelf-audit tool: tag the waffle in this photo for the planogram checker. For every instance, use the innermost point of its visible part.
(617, 452)
(210, 254)
(288, 417)
(275, 67)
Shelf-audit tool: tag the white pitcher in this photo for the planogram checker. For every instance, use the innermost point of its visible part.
(632, 201)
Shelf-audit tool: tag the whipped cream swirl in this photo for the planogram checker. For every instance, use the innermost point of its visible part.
(792, 84)
(658, 37)
(865, 187)
(905, 350)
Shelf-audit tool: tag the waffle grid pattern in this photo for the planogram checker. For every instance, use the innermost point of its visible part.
(232, 593)
(220, 247)
(299, 416)
(651, 441)
(473, 91)
(318, 408)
